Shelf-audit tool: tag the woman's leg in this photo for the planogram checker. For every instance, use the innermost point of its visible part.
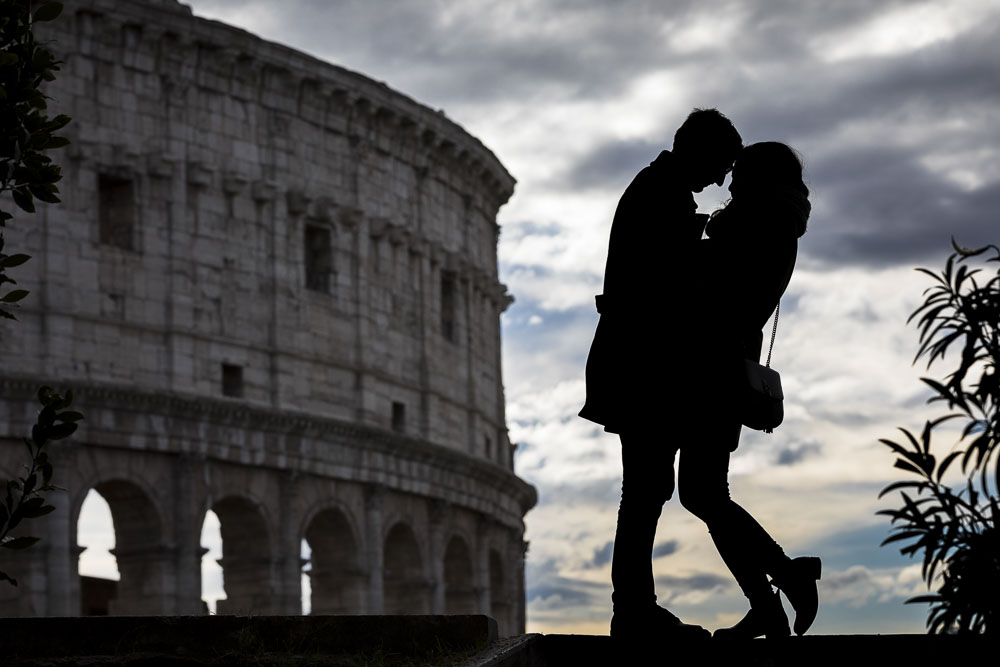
(747, 549)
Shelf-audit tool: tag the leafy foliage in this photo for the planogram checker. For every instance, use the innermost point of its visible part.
(26, 131)
(957, 530)
(28, 173)
(22, 499)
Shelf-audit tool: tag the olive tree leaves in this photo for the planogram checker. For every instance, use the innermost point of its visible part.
(26, 130)
(28, 174)
(22, 498)
(957, 529)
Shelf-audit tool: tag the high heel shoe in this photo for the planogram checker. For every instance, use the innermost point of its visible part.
(766, 619)
(798, 583)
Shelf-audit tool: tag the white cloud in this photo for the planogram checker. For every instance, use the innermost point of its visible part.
(902, 29)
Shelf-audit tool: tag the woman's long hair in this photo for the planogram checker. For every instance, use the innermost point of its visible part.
(769, 173)
(774, 170)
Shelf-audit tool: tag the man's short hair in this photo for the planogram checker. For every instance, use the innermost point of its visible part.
(708, 130)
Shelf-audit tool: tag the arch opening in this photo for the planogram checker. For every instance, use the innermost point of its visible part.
(212, 589)
(138, 555)
(247, 564)
(96, 564)
(406, 588)
(500, 605)
(459, 588)
(336, 579)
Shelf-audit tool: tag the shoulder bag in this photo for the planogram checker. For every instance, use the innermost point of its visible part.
(761, 402)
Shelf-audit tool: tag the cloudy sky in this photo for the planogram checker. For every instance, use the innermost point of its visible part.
(895, 107)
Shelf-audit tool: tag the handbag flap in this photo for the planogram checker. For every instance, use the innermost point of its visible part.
(762, 379)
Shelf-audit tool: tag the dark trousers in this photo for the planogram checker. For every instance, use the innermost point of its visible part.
(648, 482)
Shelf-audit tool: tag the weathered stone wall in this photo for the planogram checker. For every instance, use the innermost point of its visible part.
(290, 243)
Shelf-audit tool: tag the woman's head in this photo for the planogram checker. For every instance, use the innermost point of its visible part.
(767, 165)
(770, 173)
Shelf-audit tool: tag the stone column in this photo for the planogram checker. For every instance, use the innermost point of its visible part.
(289, 546)
(187, 532)
(62, 585)
(481, 574)
(147, 580)
(374, 547)
(437, 512)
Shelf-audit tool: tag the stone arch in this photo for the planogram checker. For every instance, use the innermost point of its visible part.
(459, 581)
(247, 561)
(146, 576)
(499, 600)
(337, 578)
(405, 585)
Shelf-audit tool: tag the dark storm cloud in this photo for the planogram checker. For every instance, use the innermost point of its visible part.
(464, 52)
(885, 208)
(612, 164)
(664, 549)
(600, 493)
(544, 583)
(696, 582)
(602, 556)
(796, 453)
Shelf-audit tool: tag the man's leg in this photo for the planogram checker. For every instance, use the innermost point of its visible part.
(647, 483)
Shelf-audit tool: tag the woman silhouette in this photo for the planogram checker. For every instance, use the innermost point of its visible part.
(754, 241)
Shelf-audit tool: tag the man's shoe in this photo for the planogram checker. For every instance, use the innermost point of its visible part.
(798, 583)
(765, 620)
(653, 623)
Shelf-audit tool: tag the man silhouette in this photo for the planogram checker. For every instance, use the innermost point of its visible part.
(638, 349)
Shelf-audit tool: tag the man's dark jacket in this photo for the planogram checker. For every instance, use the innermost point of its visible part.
(647, 287)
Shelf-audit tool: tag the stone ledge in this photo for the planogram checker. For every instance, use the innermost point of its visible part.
(209, 640)
(811, 651)
(460, 641)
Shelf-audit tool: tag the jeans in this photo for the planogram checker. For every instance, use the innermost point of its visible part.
(648, 482)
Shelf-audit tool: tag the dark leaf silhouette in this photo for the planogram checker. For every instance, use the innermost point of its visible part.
(955, 530)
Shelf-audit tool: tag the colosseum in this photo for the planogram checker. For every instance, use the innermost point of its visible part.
(272, 285)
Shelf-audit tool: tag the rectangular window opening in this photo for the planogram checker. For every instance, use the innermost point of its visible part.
(448, 289)
(232, 380)
(116, 211)
(318, 258)
(398, 416)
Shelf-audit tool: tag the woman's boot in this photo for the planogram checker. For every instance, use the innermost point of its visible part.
(766, 618)
(797, 581)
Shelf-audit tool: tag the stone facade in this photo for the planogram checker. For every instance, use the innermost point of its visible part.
(272, 283)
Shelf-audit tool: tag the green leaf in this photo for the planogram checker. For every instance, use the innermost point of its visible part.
(41, 511)
(56, 142)
(23, 199)
(11, 261)
(44, 394)
(69, 416)
(60, 431)
(43, 193)
(48, 12)
(31, 505)
(14, 296)
(58, 122)
(23, 542)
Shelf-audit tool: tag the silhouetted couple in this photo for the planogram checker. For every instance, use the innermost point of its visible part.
(679, 314)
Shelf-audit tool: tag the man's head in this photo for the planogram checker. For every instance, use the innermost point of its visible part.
(706, 145)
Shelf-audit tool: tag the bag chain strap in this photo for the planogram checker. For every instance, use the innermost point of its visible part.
(774, 331)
